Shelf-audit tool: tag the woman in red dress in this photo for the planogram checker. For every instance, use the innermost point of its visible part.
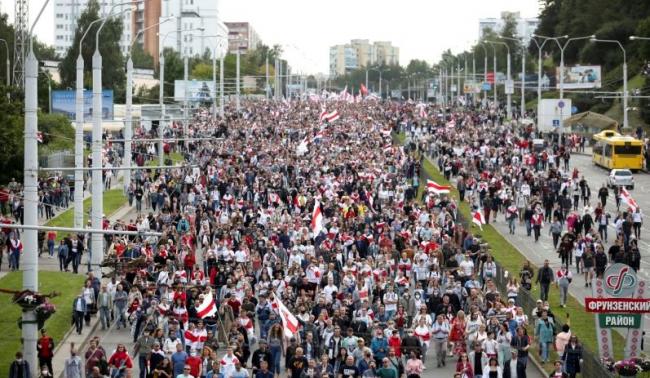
(457, 334)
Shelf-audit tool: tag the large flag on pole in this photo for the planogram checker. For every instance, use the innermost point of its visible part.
(478, 218)
(434, 187)
(317, 220)
(289, 321)
(208, 307)
(626, 197)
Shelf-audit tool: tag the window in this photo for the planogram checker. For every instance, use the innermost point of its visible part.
(627, 149)
(608, 150)
(58, 26)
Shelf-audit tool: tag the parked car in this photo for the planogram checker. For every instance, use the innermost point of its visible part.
(620, 177)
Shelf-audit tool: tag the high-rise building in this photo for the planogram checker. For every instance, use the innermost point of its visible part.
(242, 36)
(188, 17)
(143, 25)
(361, 53)
(343, 59)
(67, 12)
(525, 26)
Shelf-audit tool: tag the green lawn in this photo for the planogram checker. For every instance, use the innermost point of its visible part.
(67, 284)
(113, 200)
(582, 322)
(177, 158)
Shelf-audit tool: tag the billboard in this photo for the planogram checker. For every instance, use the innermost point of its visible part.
(579, 77)
(63, 102)
(197, 90)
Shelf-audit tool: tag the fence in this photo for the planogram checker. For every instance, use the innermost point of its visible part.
(592, 366)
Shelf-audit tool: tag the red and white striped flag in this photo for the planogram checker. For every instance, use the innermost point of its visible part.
(423, 113)
(289, 321)
(317, 220)
(332, 116)
(322, 116)
(451, 124)
(208, 307)
(626, 197)
(478, 218)
(434, 187)
(274, 198)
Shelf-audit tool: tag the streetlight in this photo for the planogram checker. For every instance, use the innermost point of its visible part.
(30, 237)
(376, 70)
(494, 62)
(522, 110)
(161, 93)
(128, 127)
(485, 68)
(222, 54)
(8, 68)
(594, 39)
(539, 68)
(507, 87)
(97, 241)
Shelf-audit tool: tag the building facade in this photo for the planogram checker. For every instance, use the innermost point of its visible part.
(525, 26)
(361, 53)
(144, 26)
(198, 23)
(67, 13)
(242, 36)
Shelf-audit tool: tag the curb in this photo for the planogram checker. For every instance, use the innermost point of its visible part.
(80, 347)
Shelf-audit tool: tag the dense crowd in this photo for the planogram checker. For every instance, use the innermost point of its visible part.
(390, 280)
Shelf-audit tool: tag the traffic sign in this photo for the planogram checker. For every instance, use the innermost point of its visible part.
(556, 123)
(619, 320)
(509, 86)
(486, 87)
(560, 104)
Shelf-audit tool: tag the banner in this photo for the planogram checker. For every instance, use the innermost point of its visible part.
(63, 102)
(579, 77)
(197, 90)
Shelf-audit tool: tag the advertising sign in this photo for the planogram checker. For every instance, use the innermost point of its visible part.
(471, 88)
(619, 300)
(197, 90)
(552, 112)
(509, 87)
(63, 102)
(490, 77)
(579, 77)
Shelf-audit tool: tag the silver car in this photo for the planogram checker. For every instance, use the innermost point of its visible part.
(620, 177)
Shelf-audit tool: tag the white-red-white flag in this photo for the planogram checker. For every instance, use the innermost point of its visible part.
(317, 219)
(423, 113)
(451, 124)
(478, 218)
(289, 321)
(208, 307)
(626, 197)
(332, 116)
(322, 116)
(434, 187)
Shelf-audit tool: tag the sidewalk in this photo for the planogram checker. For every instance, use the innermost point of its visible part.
(62, 350)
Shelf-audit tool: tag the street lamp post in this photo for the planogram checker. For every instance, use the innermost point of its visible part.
(218, 48)
(594, 39)
(128, 116)
(522, 107)
(79, 133)
(97, 241)
(485, 68)
(376, 70)
(508, 78)
(494, 62)
(237, 88)
(30, 238)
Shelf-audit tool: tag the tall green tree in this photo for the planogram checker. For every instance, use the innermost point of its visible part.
(113, 75)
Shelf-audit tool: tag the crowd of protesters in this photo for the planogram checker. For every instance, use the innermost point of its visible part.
(391, 280)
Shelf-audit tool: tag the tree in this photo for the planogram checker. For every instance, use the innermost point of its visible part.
(173, 70)
(113, 75)
(141, 58)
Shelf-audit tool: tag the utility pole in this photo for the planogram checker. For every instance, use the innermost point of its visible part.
(266, 84)
(21, 17)
(161, 101)
(237, 88)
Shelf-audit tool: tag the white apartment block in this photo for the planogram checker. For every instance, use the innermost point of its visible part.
(194, 15)
(67, 12)
(361, 53)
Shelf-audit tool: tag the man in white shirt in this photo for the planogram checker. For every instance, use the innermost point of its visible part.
(390, 301)
(440, 331)
(467, 266)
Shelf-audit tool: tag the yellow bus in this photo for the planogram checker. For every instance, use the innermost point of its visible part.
(618, 152)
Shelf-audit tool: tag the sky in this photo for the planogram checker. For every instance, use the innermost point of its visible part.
(422, 29)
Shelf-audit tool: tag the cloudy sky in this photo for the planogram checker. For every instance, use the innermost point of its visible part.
(422, 29)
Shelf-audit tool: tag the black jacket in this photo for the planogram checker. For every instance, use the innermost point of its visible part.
(521, 370)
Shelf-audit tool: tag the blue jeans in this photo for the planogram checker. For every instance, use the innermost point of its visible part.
(544, 348)
(50, 247)
(14, 260)
(276, 356)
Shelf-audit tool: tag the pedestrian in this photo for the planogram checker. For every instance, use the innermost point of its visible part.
(15, 250)
(544, 332)
(45, 348)
(440, 331)
(19, 368)
(563, 279)
(572, 357)
(544, 279)
(79, 311)
(62, 255)
(120, 363)
(73, 367)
